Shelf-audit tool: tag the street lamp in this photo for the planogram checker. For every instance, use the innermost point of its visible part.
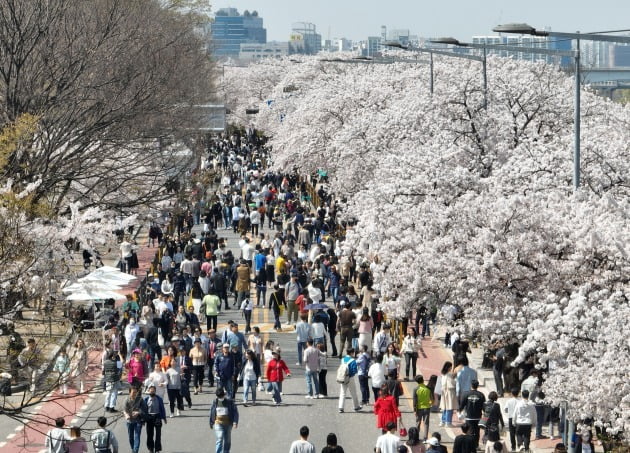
(397, 45)
(525, 29)
(484, 65)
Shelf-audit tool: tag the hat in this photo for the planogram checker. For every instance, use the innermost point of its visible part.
(174, 338)
(225, 345)
(151, 385)
(137, 351)
(432, 441)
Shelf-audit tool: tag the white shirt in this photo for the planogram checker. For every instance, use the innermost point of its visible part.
(254, 216)
(302, 446)
(248, 252)
(510, 406)
(524, 413)
(388, 443)
(377, 374)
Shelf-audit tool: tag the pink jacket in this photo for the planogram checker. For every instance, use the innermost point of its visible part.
(136, 370)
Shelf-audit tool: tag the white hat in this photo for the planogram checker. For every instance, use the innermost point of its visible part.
(432, 441)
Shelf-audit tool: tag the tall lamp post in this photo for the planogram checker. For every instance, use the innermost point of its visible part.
(398, 45)
(525, 29)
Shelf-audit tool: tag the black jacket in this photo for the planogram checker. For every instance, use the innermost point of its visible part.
(472, 402)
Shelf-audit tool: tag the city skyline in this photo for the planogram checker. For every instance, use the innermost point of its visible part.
(358, 19)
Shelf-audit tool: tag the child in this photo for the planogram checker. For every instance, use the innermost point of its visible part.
(62, 366)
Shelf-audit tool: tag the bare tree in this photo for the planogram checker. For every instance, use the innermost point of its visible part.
(108, 79)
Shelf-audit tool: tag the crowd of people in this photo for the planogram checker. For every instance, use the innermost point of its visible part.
(165, 342)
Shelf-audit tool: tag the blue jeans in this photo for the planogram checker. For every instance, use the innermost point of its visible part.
(133, 430)
(301, 346)
(226, 384)
(447, 416)
(111, 395)
(276, 389)
(224, 437)
(312, 382)
(249, 385)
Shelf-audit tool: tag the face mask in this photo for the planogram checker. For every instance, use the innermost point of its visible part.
(221, 399)
(132, 323)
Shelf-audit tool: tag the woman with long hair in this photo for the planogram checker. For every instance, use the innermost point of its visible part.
(79, 364)
(250, 373)
(448, 401)
(414, 444)
(410, 347)
(386, 410)
(391, 361)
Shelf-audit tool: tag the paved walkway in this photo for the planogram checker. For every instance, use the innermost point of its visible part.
(29, 430)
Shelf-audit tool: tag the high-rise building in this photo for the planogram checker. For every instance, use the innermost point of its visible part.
(540, 42)
(231, 29)
(305, 39)
(402, 36)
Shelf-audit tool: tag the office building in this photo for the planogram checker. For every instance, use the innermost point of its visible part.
(252, 52)
(231, 29)
(305, 39)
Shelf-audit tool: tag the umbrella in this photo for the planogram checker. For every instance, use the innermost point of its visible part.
(95, 295)
(108, 277)
(91, 285)
(315, 307)
(107, 269)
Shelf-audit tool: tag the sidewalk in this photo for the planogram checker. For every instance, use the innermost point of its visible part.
(30, 431)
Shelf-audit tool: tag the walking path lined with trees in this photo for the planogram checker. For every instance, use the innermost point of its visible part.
(464, 205)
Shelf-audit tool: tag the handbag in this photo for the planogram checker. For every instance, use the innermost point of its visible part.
(402, 431)
(160, 337)
(190, 301)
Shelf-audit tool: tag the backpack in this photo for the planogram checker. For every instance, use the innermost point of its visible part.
(343, 373)
(485, 412)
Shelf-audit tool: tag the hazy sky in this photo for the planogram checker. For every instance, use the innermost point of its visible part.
(358, 19)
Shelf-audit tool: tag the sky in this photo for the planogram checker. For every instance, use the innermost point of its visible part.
(358, 19)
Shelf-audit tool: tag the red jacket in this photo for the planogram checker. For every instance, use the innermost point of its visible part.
(275, 370)
(386, 411)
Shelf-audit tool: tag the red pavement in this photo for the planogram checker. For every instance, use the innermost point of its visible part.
(31, 438)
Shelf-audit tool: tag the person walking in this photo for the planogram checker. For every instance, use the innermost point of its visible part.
(465, 442)
(302, 445)
(173, 388)
(331, 445)
(225, 368)
(77, 443)
(448, 401)
(31, 359)
(388, 442)
(198, 357)
(422, 401)
(57, 438)
(411, 345)
(510, 407)
(386, 410)
(525, 418)
(112, 368)
(211, 306)
(310, 357)
(275, 375)
(275, 304)
(250, 373)
(303, 332)
(363, 365)
(345, 377)
(135, 412)
(104, 440)
(291, 292)
(472, 402)
(223, 418)
(345, 326)
(156, 416)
